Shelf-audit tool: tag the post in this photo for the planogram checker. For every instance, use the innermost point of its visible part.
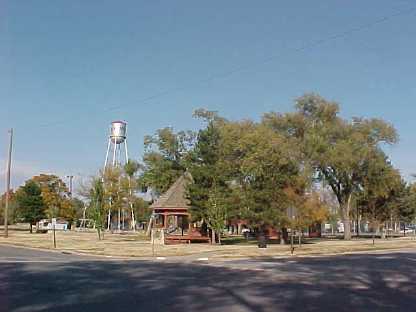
(53, 230)
(73, 224)
(291, 241)
(9, 163)
(118, 221)
(153, 242)
(292, 215)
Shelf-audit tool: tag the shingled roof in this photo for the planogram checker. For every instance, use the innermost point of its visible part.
(175, 196)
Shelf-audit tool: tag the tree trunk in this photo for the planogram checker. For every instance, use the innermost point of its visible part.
(262, 239)
(119, 221)
(345, 209)
(347, 228)
(239, 228)
(149, 227)
(212, 236)
(219, 238)
(133, 218)
(30, 227)
(283, 236)
(358, 222)
(383, 233)
(108, 219)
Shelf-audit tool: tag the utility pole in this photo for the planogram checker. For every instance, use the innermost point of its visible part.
(9, 164)
(73, 225)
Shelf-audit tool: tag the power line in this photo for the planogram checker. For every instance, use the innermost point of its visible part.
(271, 58)
(244, 67)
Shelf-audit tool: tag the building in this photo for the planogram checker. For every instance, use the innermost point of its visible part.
(171, 212)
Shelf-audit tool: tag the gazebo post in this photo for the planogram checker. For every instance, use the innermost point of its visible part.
(165, 220)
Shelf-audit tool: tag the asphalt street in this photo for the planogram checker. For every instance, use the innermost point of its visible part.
(32, 280)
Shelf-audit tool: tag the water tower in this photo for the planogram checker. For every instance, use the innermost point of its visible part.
(118, 137)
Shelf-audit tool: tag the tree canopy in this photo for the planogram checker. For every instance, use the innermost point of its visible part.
(257, 170)
(31, 207)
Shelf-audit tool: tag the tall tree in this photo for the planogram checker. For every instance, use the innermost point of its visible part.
(30, 204)
(55, 195)
(406, 208)
(381, 191)
(262, 164)
(114, 193)
(336, 148)
(209, 190)
(97, 205)
(165, 158)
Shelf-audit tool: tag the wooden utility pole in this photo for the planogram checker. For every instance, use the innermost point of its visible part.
(9, 164)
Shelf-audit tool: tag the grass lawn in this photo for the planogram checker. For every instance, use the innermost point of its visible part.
(138, 245)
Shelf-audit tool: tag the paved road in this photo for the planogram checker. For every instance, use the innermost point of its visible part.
(33, 280)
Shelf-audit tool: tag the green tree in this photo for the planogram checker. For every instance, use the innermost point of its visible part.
(141, 208)
(216, 213)
(115, 193)
(12, 207)
(337, 149)
(406, 208)
(208, 190)
(308, 209)
(165, 158)
(30, 204)
(55, 195)
(381, 192)
(262, 164)
(78, 209)
(97, 205)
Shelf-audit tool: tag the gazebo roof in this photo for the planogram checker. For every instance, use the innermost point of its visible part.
(175, 196)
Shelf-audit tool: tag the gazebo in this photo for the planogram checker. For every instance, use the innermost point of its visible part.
(171, 213)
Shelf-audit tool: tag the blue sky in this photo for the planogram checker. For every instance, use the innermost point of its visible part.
(68, 68)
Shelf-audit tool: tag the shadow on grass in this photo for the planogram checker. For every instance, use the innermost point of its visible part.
(353, 283)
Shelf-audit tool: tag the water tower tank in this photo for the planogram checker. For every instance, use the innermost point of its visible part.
(118, 131)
